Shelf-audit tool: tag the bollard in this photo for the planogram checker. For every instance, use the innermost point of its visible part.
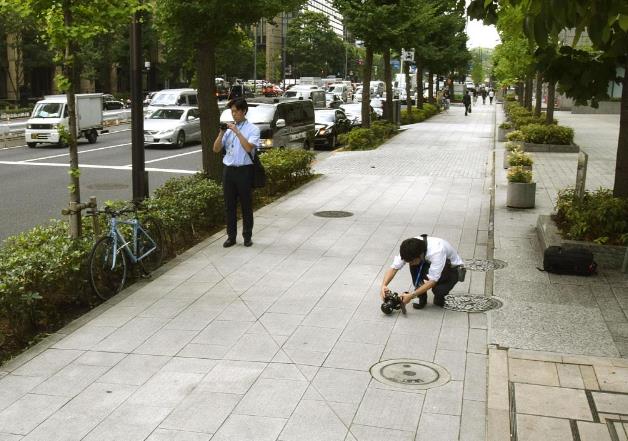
(94, 213)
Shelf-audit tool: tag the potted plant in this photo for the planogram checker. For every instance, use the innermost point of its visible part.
(521, 190)
(518, 157)
(510, 147)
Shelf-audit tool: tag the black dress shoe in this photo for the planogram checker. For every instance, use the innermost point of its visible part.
(248, 242)
(229, 243)
(421, 303)
(439, 301)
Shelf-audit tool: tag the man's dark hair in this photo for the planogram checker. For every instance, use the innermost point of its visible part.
(239, 103)
(412, 248)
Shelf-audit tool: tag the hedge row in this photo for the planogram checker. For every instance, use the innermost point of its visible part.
(418, 115)
(43, 272)
(371, 138)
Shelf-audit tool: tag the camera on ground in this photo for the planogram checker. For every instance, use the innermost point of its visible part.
(392, 302)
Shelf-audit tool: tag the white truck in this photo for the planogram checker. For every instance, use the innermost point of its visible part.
(51, 113)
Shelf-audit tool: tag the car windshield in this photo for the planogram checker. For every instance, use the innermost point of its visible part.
(48, 110)
(167, 114)
(324, 117)
(255, 115)
(164, 99)
(290, 94)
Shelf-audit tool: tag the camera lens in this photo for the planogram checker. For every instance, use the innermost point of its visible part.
(386, 309)
(224, 126)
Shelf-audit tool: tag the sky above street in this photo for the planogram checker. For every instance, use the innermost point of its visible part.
(480, 35)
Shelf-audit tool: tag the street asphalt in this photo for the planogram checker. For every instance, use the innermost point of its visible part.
(282, 341)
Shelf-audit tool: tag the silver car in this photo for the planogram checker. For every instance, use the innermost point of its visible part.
(173, 126)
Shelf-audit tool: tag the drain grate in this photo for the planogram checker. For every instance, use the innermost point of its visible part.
(471, 303)
(484, 264)
(410, 374)
(333, 214)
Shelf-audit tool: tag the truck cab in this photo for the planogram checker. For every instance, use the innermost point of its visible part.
(51, 115)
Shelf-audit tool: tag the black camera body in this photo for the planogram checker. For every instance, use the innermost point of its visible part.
(223, 126)
(392, 302)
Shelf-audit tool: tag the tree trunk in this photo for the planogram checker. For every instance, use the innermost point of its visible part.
(430, 92)
(539, 94)
(366, 88)
(389, 89)
(70, 71)
(208, 108)
(520, 93)
(528, 92)
(419, 84)
(620, 188)
(551, 97)
(406, 72)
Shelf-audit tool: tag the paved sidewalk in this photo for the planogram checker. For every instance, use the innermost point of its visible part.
(555, 372)
(276, 341)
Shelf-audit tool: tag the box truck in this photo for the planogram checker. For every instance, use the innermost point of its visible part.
(51, 114)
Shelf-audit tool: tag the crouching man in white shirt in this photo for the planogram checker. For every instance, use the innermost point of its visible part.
(434, 265)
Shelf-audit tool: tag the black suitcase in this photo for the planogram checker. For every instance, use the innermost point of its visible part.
(576, 261)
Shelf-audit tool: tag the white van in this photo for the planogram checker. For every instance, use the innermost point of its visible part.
(307, 92)
(172, 97)
(51, 114)
(341, 90)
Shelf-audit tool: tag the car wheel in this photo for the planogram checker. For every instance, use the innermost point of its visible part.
(180, 139)
(92, 136)
(31, 144)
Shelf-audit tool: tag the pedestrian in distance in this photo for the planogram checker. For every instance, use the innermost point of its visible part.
(491, 95)
(434, 264)
(475, 96)
(483, 96)
(238, 141)
(466, 100)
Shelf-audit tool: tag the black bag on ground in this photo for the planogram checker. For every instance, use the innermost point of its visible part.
(575, 261)
(259, 173)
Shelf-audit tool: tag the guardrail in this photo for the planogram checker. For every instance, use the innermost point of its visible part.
(110, 118)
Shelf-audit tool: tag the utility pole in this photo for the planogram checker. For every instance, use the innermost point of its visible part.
(137, 112)
(284, 25)
(255, 59)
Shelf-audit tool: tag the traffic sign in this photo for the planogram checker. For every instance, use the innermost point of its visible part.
(407, 55)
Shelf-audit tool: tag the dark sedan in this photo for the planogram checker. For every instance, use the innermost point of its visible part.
(329, 124)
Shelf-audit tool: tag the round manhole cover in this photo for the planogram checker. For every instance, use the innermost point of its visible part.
(471, 303)
(484, 264)
(410, 374)
(107, 186)
(333, 214)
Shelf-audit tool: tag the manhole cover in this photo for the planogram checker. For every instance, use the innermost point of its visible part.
(471, 303)
(484, 264)
(333, 214)
(107, 186)
(410, 374)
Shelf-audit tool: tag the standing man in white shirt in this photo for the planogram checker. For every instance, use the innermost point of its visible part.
(239, 139)
(434, 265)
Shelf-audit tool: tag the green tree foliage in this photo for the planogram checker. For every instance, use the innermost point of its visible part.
(200, 28)
(606, 24)
(313, 48)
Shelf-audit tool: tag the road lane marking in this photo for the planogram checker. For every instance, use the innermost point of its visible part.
(104, 167)
(102, 134)
(170, 157)
(81, 151)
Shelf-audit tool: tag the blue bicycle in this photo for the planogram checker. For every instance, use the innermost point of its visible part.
(108, 258)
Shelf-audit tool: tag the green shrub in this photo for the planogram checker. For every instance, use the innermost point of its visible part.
(544, 134)
(518, 157)
(599, 217)
(512, 146)
(362, 139)
(383, 129)
(505, 125)
(519, 174)
(415, 116)
(515, 135)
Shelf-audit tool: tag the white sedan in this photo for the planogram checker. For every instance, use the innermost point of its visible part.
(173, 126)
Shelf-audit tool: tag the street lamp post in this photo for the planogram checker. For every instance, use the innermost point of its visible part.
(137, 112)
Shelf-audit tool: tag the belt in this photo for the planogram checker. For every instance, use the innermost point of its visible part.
(238, 166)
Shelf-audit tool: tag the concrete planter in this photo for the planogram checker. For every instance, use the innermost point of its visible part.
(501, 134)
(554, 148)
(521, 194)
(606, 256)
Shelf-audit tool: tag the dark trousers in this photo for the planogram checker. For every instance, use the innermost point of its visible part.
(467, 109)
(447, 281)
(237, 185)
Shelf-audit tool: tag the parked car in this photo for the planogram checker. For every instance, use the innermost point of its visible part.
(377, 106)
(240, 91)
(113, 105)
(285, 124)
(171, 97)
(341, 91)
(354, 113)
(173, 126)
(329, 124)
(271, 90)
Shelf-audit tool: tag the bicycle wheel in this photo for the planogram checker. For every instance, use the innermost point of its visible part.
(106, 280)
(153, 260)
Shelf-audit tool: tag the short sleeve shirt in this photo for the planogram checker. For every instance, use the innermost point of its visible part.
(438, 252)
(235, 155)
